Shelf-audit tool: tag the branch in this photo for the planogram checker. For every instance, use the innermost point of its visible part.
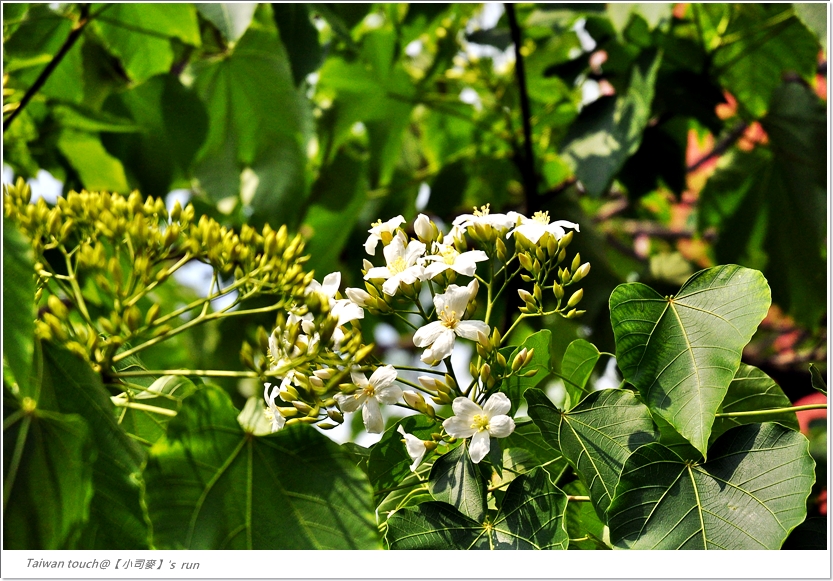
(528, 160)
(722, 146)
(74, 34)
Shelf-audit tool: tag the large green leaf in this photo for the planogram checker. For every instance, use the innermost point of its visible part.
(759, 45)
(753, 390)
(609, 131)
(257, 120)
(97, 169)
(749, 495)
(231, 20)
(299, 37)
(596, 437)
(587, 532)
(682, 351)
(139, 34)
(579, 360)
(210, 485)
(389, 462)
(531, 517)
(527, 436)
(47, 477)
(117, 520)
(18, 304)
(515, 386)
(455, 480)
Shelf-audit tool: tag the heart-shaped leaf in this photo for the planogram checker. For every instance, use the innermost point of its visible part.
(212, 485)
(455, 480)
(596, 436)
(752, 390)
(531, 517)
(579, 360)
(682, 351)
(749, 495)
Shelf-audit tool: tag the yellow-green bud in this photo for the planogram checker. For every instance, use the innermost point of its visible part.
(576, 262)
(531, 373)
(485, 372)
(558, 291)
(566, 239)
(577, 296)
(519, 360)
(430, 446)
(57, 307)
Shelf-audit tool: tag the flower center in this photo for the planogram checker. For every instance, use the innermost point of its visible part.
(369, 391)
(449, 254)
(480, 422)
(397, 266)
(449, 318)
(542, 217)
(376, 224)
(483, 211)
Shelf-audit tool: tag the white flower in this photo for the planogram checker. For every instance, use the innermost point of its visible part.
(439, 336)
(401, 265)
(424, 229)
(446, 257)
(484, 217)
(359, 296)
(381, 232)
(535, 227)
(272, 412)
(378, 389)
(416, 447)
(470, 420)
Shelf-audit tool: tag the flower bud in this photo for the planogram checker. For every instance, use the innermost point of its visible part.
(359, 297)
(526, 296)
(316, 381)
(531, 373)
(425, 229)
(519, 360)
(526, 261)
(576, 262)
(57, 307)
(335, 415)
(429, 383)
(429, 445)
(582, 271)
(501, 250)
(414, 400)
(302, 407)
(565, 240)
(558, 291)
(574, 300)
(485, 373)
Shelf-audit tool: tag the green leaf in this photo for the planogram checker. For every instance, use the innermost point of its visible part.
(761, 474)
(210, 485)
(814, 17)
(47, 477)
(526, 436)
(682, 352)
(173, 124)
(256, 121)
(75, 117)
(817, 379)
(760, 44)
(18, 304)
(455, 480)
(515, 386)
(139, 34)
(97, 169)
(299, 37)
(166, 393)
(389, 462)
(231, 20)
(609, 131)
(411, 492)
(596, 437)
(579, 360)
(586, 531)
(117, 520)
(531, 517)
(13, 14)
(759, 200)
(753, 390)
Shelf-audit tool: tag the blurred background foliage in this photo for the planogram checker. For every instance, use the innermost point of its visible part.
(679, 136)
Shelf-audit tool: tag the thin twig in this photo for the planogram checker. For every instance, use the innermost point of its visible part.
(74, 35)
(722, 146)
(528, 159)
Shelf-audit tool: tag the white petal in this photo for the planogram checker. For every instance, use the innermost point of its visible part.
(350, 403)
(377, 272)
(331, 283)
(415, 250)
(479, 446)
(383, 376)
(422, 227)
(501, 426)
(469, 329)
(466, 409)
(532, 230)
(566, 224)
(429, 333)
(434, 269)
(416, 447)
(394, 250)
(455, 299)
(444, 345)
(497, 404)
(473, 287)
(346, 311)
(412, 274)
(358, 378)
(372, 416)
(358, 296)
(391, 285)
(458, 427)
(370, 244)
(389, 394)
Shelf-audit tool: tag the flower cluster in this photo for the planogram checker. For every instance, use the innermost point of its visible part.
(416, 280)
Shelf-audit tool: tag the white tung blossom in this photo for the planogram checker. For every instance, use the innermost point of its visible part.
(378, 389)
(439, 336)
(535, 227)
(381, 232)
(480, 423)
(416, 447)
(484, 217)
(402, 264)
(447, 257)
(272, 412)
